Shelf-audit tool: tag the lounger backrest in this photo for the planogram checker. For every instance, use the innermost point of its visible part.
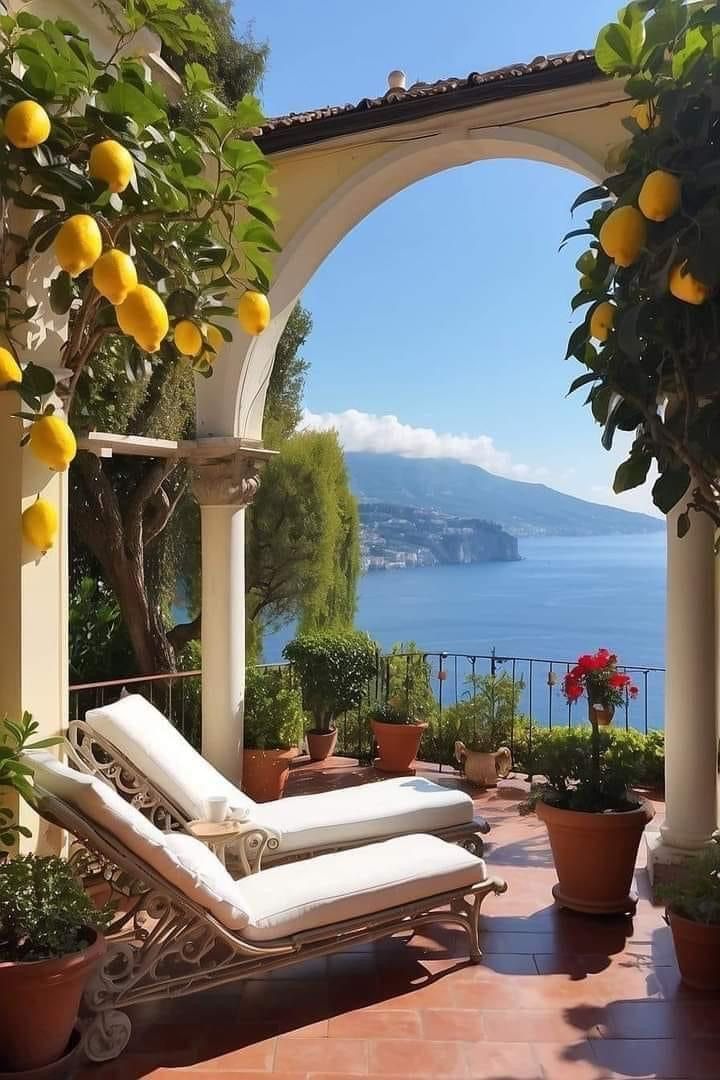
(176, 858)
(149, 741)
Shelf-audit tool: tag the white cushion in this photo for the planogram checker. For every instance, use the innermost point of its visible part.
(178, 858)
(149, 741)
(285, 900)
(409, 804)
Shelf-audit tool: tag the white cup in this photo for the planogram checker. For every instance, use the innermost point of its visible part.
(216, 807)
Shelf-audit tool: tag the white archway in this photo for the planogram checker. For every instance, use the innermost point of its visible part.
(233, 401)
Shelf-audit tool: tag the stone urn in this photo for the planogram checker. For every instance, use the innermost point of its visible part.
(603, 716)
(481, 768)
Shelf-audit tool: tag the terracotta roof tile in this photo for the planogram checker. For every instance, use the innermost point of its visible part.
(581, 63)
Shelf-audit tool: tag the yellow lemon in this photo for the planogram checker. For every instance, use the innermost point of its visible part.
(253, 312)
(26, 125)
(685, 287)
(623, 235)
(40, 525)
(644, 115)
(78, 244)
(602, 321)
(114, 275)
(52, 441)
(188, 338)
(9, 368)
(660, 195)
(111, 162)
(214, 338)
(143, 316)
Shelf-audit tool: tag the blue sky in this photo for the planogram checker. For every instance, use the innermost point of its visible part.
(448, 307)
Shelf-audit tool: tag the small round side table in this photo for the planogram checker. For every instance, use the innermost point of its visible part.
(217, 834)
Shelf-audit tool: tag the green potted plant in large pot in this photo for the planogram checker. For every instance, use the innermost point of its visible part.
(594, 820)
(273, 729)
(50, 935)
(333, 668)
(693, 912)
(398, 733)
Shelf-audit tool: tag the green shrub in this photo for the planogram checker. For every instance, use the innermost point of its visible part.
(333, 668)
(16, 774)
(485, 719)
(626, 759)
(696, 894)
(407, 679)
(44, 911)
(273, 714)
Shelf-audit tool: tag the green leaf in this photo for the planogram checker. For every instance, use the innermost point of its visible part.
(578, 341)
(670, 487)
(38, 380)
(126, 100)
(633, 472)
(685, 59)
(601, 403)
(582, 380)
(197, 78)
(61, 293)
(27, 21)
(614, 53)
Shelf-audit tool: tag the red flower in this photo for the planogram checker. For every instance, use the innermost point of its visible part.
(618, 681)
(633, 691)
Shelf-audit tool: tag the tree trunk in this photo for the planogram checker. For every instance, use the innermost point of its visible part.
(117, 544)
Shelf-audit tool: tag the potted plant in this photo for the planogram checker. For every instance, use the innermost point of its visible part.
(593, 819)
(333, 668)
(693, 912)
(50, 935)
(273, 728)
(397, 733)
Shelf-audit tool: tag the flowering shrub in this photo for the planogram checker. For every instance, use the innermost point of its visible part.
(597, 675)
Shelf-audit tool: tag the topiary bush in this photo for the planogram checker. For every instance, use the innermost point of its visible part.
(333, 668)
(44, 911)
(273, 713)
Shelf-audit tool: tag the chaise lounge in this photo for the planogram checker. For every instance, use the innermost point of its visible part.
(131, 744)
(185, 924)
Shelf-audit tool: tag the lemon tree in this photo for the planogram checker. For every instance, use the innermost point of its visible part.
(151, 225)
(650, 281)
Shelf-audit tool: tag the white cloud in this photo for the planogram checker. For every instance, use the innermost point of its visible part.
(387, 435)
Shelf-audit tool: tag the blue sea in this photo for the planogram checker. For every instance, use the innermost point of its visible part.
(565, 596)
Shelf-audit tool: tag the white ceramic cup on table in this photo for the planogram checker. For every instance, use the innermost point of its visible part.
(216, 807)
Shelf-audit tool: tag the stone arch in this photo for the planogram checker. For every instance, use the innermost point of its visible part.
(233, 401)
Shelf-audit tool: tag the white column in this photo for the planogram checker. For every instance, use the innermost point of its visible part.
(691, 713)
(224, 488)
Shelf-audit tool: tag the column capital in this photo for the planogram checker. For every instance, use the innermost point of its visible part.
(228, 481)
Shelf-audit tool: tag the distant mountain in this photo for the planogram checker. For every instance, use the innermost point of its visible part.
(467, 491)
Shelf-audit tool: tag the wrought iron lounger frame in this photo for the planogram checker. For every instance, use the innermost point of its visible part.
(256, 846)
(163, 945)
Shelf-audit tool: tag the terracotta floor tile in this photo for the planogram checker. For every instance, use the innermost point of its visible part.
(569, 1061)
(318, 1030)
(347, 1057)
(397, 1057)
(489, 1061)
(544, 1025)
(259, 1056)
(464, 1025)
(376, 1024)
(671, 1059)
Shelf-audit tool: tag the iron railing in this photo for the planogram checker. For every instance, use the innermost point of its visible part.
(528, 688)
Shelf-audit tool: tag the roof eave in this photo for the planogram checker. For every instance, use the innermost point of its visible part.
(359, 120)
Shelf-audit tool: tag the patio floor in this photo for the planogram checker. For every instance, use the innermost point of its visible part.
(557, 995)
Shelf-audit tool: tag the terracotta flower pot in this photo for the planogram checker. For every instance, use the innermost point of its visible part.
(64, 1068)
(697, 947)
(265, 773)
(321, 744)
(397, 745)
(595, 856)
(603, 716)
(40, 1002)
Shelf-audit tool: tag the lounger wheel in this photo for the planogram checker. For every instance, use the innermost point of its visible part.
(475, 845)
(107, 1035)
